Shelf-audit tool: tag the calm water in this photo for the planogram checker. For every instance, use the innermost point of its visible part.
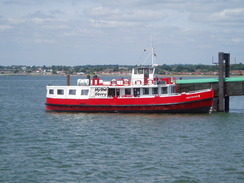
(36, 146)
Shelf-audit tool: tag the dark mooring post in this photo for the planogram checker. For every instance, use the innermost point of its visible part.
(227, 74)
(224, 71)
(68, 80)
(221, 82)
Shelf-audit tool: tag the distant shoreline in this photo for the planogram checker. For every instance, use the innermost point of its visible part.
(114, 75)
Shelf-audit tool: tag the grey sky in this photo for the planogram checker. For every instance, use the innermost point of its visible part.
(80, 32)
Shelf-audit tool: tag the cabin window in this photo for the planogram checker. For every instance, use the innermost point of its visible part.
(154, 90)
(72, 92)
(60, 92)
(51, 91)
(111, 92)
(145, 91)
(84, 92)
(164, 90)
(173, 90)
(136, 92)
(127, 91)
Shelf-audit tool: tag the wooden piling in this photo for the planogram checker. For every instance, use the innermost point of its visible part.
(89, 79)
(68, 80)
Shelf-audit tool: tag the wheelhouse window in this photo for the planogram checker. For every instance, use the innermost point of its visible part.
(60, 92)
(164, 90)
(154, 90)
(84, 92)
(51, 91)
(127, 91)
(140, 70)
(72, 92)
(145, 91)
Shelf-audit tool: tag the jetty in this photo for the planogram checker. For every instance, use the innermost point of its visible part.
(224, 86)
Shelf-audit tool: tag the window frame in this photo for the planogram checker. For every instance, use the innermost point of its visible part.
(60, 91)
(145, 91)
(153, 91)
(86, 92)
(51, 92)
(72, 91)
(127, 91)
(163, 91)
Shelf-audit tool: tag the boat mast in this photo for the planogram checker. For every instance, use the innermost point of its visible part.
(153, 55)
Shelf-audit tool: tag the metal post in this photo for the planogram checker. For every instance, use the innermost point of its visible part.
(227, 74)
(221, 82)
(224, 71)
(227, 64)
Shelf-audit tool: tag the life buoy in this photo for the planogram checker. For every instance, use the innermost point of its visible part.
(150, 81)
(114, 82)
(126, 82)
(138, 82)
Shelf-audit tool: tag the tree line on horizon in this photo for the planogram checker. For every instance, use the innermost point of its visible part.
(88, 69)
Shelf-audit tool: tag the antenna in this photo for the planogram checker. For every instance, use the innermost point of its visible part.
(213, 61)
(154, 64)
(152, 53)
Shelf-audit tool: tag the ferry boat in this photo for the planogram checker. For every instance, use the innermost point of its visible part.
(144, 92)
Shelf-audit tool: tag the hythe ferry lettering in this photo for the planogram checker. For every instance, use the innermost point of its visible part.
(100, 89)
(100, 94)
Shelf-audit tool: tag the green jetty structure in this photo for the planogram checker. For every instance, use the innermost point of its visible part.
(224, 86)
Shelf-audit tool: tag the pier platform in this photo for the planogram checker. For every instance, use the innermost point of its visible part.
(233, 86)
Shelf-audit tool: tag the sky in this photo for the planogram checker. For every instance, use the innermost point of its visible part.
(91, 32)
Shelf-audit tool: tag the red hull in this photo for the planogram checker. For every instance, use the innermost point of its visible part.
(185, 103)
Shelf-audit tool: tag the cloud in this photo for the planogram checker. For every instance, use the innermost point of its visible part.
(40, 20)
(228, 17)
(111, 24)
(56, 26)
(14, 2)
(190, 27)
(126, 15)
(5, 27)
(237, 40)
(16, 20)
(57, 12)
(45, 41)
(45, 13)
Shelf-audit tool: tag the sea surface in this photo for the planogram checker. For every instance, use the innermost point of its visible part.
(42, 147)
